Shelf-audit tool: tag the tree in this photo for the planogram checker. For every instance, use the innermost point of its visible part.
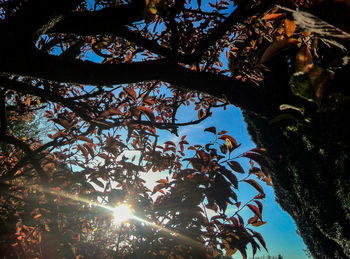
(287, 69)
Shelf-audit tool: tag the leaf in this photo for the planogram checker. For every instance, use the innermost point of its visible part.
(222, 132)
(28, 101)
(230, 176)
(235, 166)
(17, 173)
(273, 16)
(258, 223)
(84, 151)
(276, 47)
(304, 61)
(253, 220)
(289, 26)
(260, 206)
(88, 147)
(259, 150)
(157, 188)
(205, 157)
(211, 129)
(255, 210)
(257, 158)
(260, 238)
(131, 93)
(148, 112)
(162, 181)
(171, 143)
(37, 216)
(231, 139)
(97, 182)
(223, 149)
(86, 139)
(255, 185)
(267, 180)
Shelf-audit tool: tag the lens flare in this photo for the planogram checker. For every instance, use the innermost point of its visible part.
(121, 214)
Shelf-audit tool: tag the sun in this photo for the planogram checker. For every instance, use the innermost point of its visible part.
(122, 213)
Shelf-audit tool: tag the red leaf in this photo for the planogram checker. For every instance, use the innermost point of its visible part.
(259, 150)
(258, 223)
(157, 188)
(88, 147)
(170, 143)
(260, 196)
(222, 132)
(258, 236)
(229, 175)
(86, 139)
(255, 210)
(84, 151)
(240, 219)
(273, 16)
(162, 181)
(253, 220)
(211, 129)
(276, 48)
(235, 166)
(259, 205)
(233, 141)
(255, 185)
(201, 154)
(148, 112)
(257, 158)
(111, 112)
(131, 93)
(115, 112)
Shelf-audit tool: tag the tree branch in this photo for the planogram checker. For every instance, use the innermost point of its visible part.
(29, 152)
(103, 21)
(45, 94)
(41, 65)
(35, 17)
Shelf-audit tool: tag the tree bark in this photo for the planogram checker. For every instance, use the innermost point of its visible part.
(310, 166)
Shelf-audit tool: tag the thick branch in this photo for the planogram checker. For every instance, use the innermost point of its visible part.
(243, 95)
(104, 26)
(99, 22)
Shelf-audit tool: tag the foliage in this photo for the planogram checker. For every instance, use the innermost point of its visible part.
(113, 75)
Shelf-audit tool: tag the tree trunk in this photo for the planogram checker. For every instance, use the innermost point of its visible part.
(309, 161)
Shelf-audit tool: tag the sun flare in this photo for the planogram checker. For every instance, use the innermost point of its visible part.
(121, 214)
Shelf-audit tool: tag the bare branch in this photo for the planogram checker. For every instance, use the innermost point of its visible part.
(40, 65)
(102, 21)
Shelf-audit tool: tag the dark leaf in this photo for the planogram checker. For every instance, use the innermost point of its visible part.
(229, 175)
(255, 185)
(97, 182)
(255, 210)
(148, 112)
(211, 129)
(235, 166)
(84, 151)
(257, 158)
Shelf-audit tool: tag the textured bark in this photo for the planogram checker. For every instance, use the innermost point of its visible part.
(310, 166)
